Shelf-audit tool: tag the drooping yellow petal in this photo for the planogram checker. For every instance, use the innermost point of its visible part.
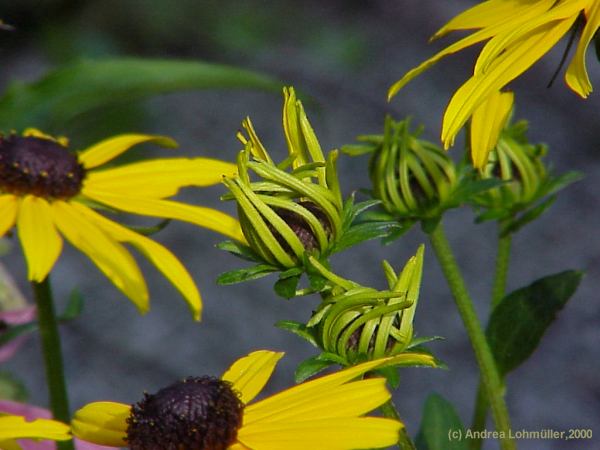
(487, 122)
(16, 427)
(506, 67)
(10, 445)
(161, 177)
(198, 215)
(535, 9)
(41, 242)
(577, 77)
(521, 27)
(249, 374)
(322, 434)
(112, 147)
(483, 15)
(8, 212)
(102, 423)
(160, 256)
(106, 253)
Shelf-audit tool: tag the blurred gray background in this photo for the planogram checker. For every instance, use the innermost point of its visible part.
(344, 54)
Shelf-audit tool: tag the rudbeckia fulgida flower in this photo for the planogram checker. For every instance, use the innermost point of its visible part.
(207, 413)
(49, 193)
(518, 33)
(294, 207)
(13, 428)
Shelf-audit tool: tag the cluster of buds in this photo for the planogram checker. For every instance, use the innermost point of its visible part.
(295, 207)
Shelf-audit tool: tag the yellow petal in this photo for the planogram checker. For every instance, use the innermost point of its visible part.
(577, 77)
(204, 217)
(322, 434)
(484, 15)
(106, 253)
(160, 256)
(348, 400)
(8, 212)
(493, 29)
(160, 178)
(112, 147)
(102, 423)
(487, 122)
(257, 148)
(290, 126)
(267, 409)
(34, 132)
(10, 445)
(40, 240)
(506, 67)
(250, 373)
(16, 427)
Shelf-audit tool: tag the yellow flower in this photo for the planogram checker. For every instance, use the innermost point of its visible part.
(46, 191)
(16, 427)
(519, 33)
(322, 414)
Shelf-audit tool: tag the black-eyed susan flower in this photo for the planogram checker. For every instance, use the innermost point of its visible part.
(204, 413)
(519, 33)
(14, 427)
(295, 207)
(48, 192)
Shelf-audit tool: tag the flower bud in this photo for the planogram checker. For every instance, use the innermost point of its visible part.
(413, 178)
(358, 322)
(294, 207)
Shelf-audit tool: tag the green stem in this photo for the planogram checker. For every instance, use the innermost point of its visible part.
(498, 292)
(53, 361)
(489, 375)
(388, 409)
(502, 260)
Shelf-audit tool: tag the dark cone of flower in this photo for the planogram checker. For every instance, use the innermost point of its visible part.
(301, 228)
(197, 413)
(41, 167)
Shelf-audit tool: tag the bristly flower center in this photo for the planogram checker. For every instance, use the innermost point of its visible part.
(197, 413)
(40, 167)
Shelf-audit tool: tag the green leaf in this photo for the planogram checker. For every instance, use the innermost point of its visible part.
(239, 250)
(364, 232)
(250, 273)
(520, 320)
(299, 329)
(69, 91)
(310, 367)
(530, 215)
(440, 420)
(286, 287)
(74, 306)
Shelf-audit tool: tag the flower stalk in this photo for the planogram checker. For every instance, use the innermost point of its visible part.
(52, 353)
(491, 381)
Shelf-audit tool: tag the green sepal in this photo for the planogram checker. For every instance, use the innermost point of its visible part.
(418, 341)
(248, 273)
(366, 231)
(149, 231)
(520, 320)
(299, 329)
(528, 216)
(310, 367)
(12, 388)
(288, 283)
(74, 306)
(438, 420)
(14, 331)
(239, 250)
(391, 374)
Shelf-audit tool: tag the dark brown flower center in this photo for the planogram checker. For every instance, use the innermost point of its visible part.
(301, 227)
(197, 413)
(41, 167)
